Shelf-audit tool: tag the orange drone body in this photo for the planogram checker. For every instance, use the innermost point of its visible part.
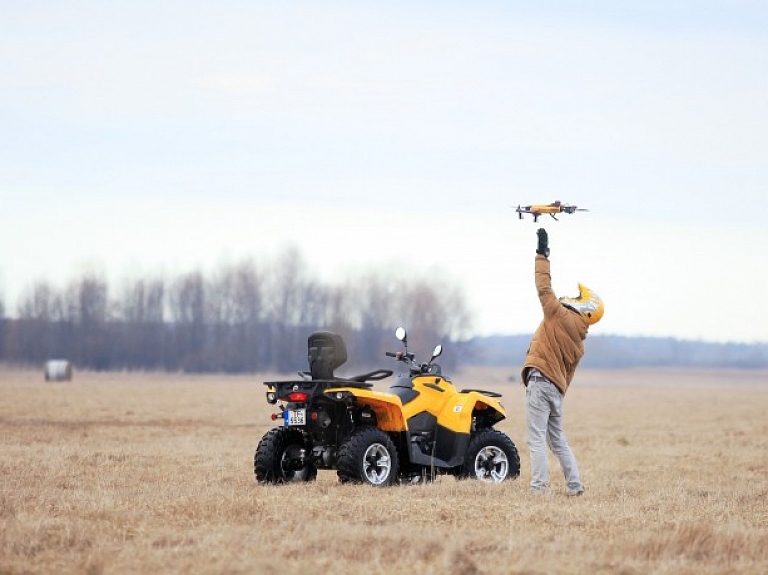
(554, 208)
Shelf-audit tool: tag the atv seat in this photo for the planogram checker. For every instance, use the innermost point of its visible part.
(325, 351)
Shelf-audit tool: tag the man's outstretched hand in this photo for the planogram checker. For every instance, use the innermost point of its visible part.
(543, 248)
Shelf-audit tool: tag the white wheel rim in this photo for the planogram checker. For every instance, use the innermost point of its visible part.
(491, 464)
(376, 464)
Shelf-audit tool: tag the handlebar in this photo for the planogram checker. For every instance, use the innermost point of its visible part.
(413, 366)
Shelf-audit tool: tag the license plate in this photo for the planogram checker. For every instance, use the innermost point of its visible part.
(295, 416)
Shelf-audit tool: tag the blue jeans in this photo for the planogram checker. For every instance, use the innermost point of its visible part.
(544, 420)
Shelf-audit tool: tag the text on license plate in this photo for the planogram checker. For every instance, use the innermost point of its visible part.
(295, 416)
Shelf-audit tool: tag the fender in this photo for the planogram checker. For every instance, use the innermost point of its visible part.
(458, 412)
(387, 407)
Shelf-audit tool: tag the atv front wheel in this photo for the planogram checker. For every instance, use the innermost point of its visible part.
(281, 457)
(491, 457)
(369, 456)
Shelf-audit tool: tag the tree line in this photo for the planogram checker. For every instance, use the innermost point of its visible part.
(244, 317)
(618, 352)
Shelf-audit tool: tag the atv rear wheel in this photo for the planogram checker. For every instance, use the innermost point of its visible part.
(369, 456)
(491, 457)
(281, 457)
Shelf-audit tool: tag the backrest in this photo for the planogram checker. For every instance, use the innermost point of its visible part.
(326, 352)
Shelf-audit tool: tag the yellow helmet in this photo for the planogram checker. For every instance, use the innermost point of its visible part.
(588, 304)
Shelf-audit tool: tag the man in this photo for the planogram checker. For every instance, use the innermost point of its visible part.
(555, 351)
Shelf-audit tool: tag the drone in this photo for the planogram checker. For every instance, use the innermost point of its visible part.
(554, 208)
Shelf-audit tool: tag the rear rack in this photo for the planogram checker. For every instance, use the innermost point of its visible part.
(326, 382)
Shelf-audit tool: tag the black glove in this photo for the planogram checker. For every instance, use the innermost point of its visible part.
(543, 248)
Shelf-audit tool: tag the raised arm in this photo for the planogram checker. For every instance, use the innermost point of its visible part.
(549, 302)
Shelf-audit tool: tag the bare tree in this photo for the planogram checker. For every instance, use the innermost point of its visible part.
(287, 297)
(434, 311)
(249, 316)
(187, 306)
(373, 299)
(336, 310)
(38, 333)
(84, 312)
(141, 314)
(234, 315)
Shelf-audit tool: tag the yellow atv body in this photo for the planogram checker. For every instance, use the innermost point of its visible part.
(435, 418)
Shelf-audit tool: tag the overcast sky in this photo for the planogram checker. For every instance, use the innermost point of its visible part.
(158, 137)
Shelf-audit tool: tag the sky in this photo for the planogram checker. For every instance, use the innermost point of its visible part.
(160, 137)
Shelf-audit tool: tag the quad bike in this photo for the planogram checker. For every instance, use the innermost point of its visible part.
(421, 428)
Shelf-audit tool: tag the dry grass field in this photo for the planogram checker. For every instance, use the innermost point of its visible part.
(152, 473)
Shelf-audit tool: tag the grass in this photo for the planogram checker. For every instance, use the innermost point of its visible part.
(138, 473)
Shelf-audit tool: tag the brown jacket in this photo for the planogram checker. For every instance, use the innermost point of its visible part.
(558, 344)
